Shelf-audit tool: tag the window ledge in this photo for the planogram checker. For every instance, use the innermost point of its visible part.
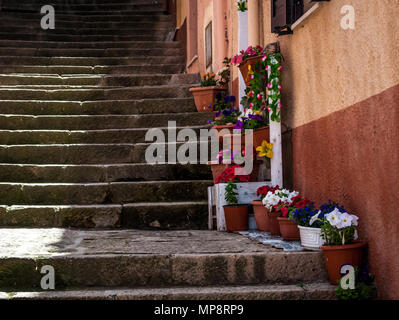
(306, 15)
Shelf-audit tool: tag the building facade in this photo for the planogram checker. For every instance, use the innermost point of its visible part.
(340, 100)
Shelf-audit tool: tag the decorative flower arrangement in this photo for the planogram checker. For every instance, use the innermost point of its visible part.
(209, 80)
(263, 191)
(223, 102)
(250, 52)
(224, 117)
(251, 119)
(233, 174)
(265, 150)
(242, 5)
(273, 201)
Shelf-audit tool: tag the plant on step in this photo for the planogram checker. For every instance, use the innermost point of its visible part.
(242, 5)
(231, 194)
(223, 102)
(338, 227)
(307, 216)
(224, 74)
(235, 173)
(208, 80)
(226, 117)
(263, 191)
(365, 288)
(251, 119)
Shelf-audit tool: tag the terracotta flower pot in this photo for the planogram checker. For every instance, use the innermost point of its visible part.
(218, 168)
(205, 96)
(237, 217)
(261, 216)
(244, 68)
(274, 225)
(337, 256)
(289, 229)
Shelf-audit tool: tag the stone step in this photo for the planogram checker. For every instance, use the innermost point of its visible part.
(82, 153)
(88, 61)
(108, 136)
(75, 2)
(129, 93)
(111, 52)
(100, 122)
(86, 9)
(88, 70)
(310, 291)
(102, 193)
(132, 259)
(102, 173)
(154, 216)
(114, 107)
(80, 38)
(90, 45)
(98, 80)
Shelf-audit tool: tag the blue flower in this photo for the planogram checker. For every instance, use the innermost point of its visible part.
(230, 99)
(210, 106)
(218, 113)
(239, 125)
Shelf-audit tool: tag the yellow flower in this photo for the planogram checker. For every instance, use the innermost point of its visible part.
(265, 150)
(249, 68)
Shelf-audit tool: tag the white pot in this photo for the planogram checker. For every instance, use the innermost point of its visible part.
(311, 238)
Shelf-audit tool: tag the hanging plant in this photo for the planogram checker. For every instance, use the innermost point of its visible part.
(242, 5)
(265, 77)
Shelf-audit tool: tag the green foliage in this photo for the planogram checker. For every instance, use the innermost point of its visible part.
(242, 5)
(337, 237)
(208, 80)
(231, 194)
(224, 74)
(364, 287)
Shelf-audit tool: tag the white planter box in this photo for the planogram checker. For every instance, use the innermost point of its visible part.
(311, 238)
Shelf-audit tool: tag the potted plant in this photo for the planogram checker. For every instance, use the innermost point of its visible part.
(260, 211)
(340, 235)
(236, 215)
(223, 102)
(242, 5)
(205, 95)
(309, 220)
(247, 61)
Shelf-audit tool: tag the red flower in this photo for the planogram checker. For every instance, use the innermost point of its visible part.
(284, 212)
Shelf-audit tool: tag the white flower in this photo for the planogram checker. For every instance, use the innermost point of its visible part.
(334, 218)
(355, 220)
(314, 218)
(345, 221)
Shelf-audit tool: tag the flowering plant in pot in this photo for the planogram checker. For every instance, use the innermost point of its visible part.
(260, 211)
(288, 226)
(242, 5)
(236, 215)
(223, 102)
(339, 231)
(247, 60)
(309, 220)
(205, 95)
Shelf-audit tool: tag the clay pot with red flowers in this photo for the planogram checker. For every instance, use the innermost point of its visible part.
(236, 215)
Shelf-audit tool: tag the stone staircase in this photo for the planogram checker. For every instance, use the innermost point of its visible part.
(75, 105)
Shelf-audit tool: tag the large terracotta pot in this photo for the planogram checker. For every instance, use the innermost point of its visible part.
(205, 96)
(244, 68)
(273, 223)
(289, 229)
(237, 217)
(261, 216)
(337, 256)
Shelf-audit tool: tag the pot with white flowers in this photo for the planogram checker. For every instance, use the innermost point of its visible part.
(339, 231)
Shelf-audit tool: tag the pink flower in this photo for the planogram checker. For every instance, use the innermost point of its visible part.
(280, 106)
(268, 108)
(259, 97)
(269, 85)
(251, 76)
(251, 105)
(267, 68)
(280, 68)
(264, 58)
(251, 94)
(279, 87)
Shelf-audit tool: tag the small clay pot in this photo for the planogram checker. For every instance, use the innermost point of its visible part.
(337, 256)
(289, 229)
(237, 217)
(261, 216)
(244, 68)
(273, 223)
(205, 96)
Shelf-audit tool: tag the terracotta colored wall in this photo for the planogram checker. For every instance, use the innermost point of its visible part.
(352, 156)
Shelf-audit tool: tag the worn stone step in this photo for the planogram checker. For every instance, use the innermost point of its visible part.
(105, 52)
(154, 216)
(81, 37)
(114, 107)
(108, 136)
(98, 80)
(147, 258)
(87, 70)
(99, 122)
(81, 153)
(89, 61)
(102, 173)
(129, 93)
(90, 45)
(102, 193)
(310, 291)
